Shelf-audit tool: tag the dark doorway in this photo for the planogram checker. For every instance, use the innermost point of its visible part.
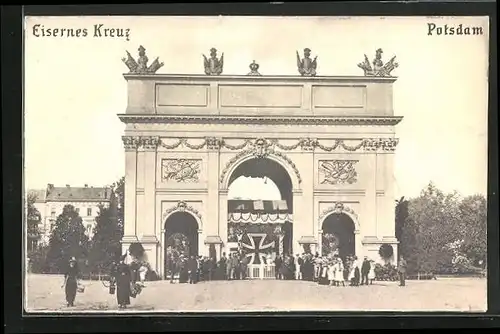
(338, 233)
(181, 234)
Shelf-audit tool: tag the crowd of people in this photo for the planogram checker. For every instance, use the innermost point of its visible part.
(127, 276)
(330, 270)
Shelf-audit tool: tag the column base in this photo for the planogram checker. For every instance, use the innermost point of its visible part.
(149, 239)
(371, 247)
(126, 241)
(308, 242)
(150, 244)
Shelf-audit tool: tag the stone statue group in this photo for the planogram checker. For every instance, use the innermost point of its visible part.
(306, 66)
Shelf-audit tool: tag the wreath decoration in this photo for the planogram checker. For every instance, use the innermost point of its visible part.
(386, 251)
(330, 242)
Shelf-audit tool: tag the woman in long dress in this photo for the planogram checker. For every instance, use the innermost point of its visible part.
(339, 273)
(323, 277)
(123, 279)
(71, 281)
(332, 267)
(371, 274)
(352, 272)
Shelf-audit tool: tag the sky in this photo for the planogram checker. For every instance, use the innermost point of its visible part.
(74, 88)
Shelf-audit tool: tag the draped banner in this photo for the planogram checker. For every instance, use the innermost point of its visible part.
(259, 218)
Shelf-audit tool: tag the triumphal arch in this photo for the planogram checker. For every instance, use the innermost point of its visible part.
(327, 143)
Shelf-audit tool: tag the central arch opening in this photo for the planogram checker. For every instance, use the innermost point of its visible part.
(260, 210)
(338, 235)
(181, 236)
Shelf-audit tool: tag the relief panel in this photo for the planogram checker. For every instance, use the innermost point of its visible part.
(335, 172)
(181, 170)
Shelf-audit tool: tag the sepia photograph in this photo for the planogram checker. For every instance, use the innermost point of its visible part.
(255, 164)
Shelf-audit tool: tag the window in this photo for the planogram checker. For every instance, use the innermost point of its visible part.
(77, 210)
(89, 229)
(53, 212)
(89, 211)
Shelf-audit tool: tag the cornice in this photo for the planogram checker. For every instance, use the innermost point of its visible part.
(263, 78)
(262, 120)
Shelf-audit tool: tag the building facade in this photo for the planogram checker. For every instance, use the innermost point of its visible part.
(86, 200)
(327, 142)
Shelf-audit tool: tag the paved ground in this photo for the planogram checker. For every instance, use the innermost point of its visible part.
(44, 293)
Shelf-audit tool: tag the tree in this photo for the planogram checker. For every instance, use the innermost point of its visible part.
(68, 239)
(108, 232)
(33, 219)
(401, 217)
(432, 223)
(473, 211)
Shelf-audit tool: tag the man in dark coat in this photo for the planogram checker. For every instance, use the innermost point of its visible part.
(123, 280)
(278, 262)
(365, 269)
(222, 267)
(193, 270)
(243, 267)
(402, 271)
(71, 277)
(235, 263)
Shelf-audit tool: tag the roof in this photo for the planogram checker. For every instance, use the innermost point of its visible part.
(257, 206)
(68, 193)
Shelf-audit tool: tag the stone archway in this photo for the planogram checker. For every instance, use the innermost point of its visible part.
(339, 225)
(262, 231)
(262, 149)
(181, 234)
(338, 233)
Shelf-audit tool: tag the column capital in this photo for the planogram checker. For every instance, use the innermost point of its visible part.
(213, 143)
(150, 143)
(131, 143)
(380, 144)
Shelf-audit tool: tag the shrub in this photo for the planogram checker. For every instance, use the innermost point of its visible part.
(387, 272)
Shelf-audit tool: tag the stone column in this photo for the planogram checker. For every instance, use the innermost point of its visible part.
(161, 254)
(358, 245)
(387, 221)
(130, 229)
(212, 223)
(223, 220)
(148, 236)
(303, 204)
(369, 215)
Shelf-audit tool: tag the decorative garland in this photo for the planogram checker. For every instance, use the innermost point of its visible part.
(370, 144)
(386, 251)
(253, 217)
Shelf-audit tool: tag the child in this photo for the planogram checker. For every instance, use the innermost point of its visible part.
(142, 274)
(371, 274)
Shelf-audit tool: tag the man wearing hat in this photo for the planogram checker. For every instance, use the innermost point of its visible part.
(365, 270)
